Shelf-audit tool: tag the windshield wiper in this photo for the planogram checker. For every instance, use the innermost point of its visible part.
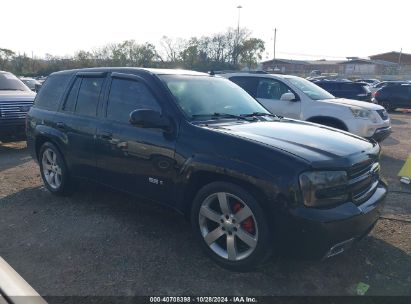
(221, 115)
(10, 89)
(254, 114)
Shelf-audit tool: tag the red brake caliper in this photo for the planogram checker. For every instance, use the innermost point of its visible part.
(247, 224)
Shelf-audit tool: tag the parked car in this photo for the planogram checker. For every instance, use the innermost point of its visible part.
(370, 82)
(345, 89)
(394, 96)
(252, 183)
(14, 289)
(32, 83)
(15, 101)
(295, 97)
(382, 84)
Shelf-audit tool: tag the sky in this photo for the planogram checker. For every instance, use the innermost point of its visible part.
(306, 29)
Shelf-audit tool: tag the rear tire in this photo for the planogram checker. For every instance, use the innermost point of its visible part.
(53, 170)
(231, 226)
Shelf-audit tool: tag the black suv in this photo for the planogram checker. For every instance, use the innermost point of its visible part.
(15, 101)
(347, 89)
(252, 183)
(394, 96)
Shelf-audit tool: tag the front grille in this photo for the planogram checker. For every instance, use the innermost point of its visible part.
(363, 181)
(383, 114)
(15, 111)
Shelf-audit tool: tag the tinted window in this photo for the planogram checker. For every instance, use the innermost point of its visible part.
(329, 86)
(9, 82)
(271, 89)
(351, 87)
(127, 96)
(51, 91)
(88, 96)
(247, 83)
(71, 99)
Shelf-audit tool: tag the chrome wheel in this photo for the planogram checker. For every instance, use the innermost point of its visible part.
(228, 226)
(51, 169)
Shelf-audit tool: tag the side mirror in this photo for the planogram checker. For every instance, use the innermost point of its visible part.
(146, 118)
(288, 97)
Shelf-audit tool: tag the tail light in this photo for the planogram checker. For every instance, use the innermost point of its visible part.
(377, 94)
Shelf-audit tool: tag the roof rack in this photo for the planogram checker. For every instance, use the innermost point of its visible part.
(234, 71)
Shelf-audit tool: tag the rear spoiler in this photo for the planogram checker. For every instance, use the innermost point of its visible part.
(14, 289)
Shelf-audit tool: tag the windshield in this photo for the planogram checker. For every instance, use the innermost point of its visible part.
(31, 83)
(202, 96)
(312, 90)
(10, 82)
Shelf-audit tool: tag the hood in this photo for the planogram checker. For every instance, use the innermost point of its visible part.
(352, 102)
(17, 96)
(312, 142)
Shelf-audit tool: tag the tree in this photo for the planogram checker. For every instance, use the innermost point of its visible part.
(6, 56)
(251, 51)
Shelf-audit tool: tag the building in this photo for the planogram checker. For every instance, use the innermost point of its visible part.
(358, 66)
(395, 57)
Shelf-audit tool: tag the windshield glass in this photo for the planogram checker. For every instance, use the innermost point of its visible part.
(10, 82)
(312, 90)
(202, 96)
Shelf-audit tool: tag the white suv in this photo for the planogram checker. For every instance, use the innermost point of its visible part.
(298, 98)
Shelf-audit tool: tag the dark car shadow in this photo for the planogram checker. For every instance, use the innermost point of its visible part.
(101, 242)
(390, 141)
(395, 121)
(13, 154)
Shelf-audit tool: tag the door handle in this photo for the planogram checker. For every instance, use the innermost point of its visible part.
(61, 125)
(106, 135)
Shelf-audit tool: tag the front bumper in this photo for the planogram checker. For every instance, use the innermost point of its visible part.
(319, 233)
(381, 134)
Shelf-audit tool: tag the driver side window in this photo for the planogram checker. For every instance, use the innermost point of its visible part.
(271, 89)
(126, 96)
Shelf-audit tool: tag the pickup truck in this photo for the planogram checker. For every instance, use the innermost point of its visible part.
(15, 101)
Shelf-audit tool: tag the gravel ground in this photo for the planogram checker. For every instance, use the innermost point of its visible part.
(101, 242)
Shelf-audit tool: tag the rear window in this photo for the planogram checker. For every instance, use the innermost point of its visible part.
(9, 82)
(50, 93)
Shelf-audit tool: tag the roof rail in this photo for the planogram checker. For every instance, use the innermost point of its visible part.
(234, 71)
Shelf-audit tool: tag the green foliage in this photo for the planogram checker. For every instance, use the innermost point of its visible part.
(227, 50)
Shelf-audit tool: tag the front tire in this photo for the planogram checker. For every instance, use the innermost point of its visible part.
(53, 169)
(231, 226)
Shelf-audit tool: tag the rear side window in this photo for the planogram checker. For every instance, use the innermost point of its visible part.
(71, 99)
(126, 96)
(351, 87)
(328, 86)
(88, 96)
(249, 84)
(50, 94)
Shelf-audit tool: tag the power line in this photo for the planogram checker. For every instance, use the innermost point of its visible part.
(312, 55)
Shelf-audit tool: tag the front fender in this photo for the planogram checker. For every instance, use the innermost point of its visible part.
(234, 170)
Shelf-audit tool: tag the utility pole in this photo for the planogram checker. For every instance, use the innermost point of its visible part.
(275, 39)
(238, 36)
(399, 61)
(238, 21)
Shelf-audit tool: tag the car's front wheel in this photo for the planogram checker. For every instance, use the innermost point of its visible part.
(53, 169)
(231, 226)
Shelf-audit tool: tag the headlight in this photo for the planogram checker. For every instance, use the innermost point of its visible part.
(364, 113)
(320, 188)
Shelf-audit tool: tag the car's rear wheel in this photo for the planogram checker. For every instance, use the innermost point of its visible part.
(231, 226)
(387, 106)
(53, 169)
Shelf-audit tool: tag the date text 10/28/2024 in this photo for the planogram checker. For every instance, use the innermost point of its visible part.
(236, 299)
